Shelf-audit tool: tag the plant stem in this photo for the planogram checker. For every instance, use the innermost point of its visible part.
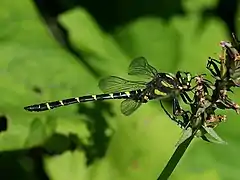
(172, 163)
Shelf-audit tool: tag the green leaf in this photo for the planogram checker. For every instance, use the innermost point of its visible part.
(185, 135)
(198, 41)
(32, 58)
(37, 133)
(72, 166)
(158, 44)
(101, 48)
(213, 136)
(198, 6)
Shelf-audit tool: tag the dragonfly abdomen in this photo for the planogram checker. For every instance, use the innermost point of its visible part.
(65, 102)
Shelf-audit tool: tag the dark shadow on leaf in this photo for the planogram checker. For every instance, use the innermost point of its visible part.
(97, 126)
(111, 14)
(37, 90)
(227, 11)
(24, 164)
(49, 11)
(28, 164)
(3, 123)
(59, 143)
(109, 17)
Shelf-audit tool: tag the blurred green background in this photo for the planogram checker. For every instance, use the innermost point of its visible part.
(50, 50)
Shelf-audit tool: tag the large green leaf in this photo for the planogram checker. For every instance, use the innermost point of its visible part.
(28, 55)
(72, 166)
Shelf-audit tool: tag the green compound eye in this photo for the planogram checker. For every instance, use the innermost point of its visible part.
(189, 77)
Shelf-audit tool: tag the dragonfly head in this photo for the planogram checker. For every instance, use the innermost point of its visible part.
(184, 80)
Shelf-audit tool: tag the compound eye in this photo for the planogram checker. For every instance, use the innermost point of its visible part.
(180, 80)
(189, 77)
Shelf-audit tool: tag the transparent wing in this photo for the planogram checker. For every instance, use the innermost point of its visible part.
(140, 67)
(114, 84)
(128, 106)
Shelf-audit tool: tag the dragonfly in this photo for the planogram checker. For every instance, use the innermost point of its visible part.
(157, 85)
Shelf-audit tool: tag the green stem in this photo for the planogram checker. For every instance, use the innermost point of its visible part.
(172, 163)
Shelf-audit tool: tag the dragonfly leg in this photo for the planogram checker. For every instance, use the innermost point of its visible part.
(179, 77)
(179, 122)
(186, 99)
(177, 110)
(213, 68)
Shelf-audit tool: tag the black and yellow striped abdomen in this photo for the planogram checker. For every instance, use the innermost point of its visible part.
(65, 102)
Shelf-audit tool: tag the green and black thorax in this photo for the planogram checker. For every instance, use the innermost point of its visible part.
(163, 85)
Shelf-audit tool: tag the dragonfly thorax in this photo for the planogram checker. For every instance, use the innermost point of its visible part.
(163, 85)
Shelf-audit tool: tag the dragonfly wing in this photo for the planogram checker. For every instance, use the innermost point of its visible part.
(114, 84)
(128, 106)
(140, 67)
